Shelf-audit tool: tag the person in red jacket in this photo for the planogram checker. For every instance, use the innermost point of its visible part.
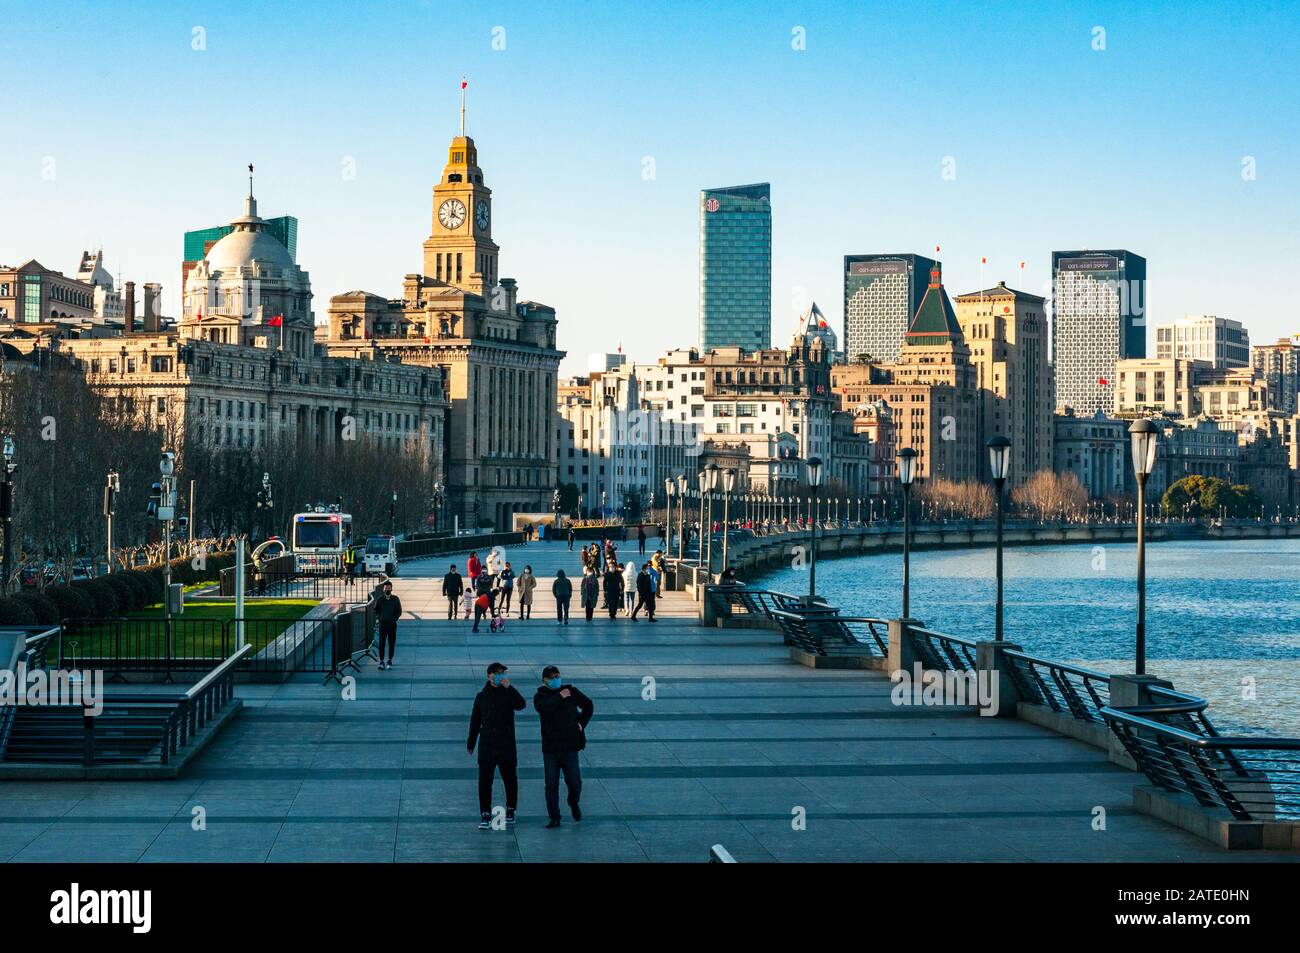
(473, 567)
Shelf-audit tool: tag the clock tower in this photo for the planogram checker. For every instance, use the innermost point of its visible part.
(459, 250)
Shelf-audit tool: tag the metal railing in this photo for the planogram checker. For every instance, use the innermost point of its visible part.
(760, 603)
(823, 632)
(120, 647)
(1066, 689)
(938, 651)
(1254, 779)
(198, 706)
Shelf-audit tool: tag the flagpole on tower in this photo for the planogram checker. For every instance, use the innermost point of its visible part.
(463, 84)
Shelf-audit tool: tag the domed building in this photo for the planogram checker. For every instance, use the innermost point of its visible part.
(248, 290)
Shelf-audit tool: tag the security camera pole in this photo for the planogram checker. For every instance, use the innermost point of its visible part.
(167, 513)
(7, 511)
(111, 488)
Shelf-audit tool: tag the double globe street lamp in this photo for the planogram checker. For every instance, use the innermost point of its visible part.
(728, 484)
(681, 512)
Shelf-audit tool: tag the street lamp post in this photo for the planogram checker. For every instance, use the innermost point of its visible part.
(681, 512)
(1143, 435)
(999, 463)
(906, 473)
(711, 473)
(7, 511)
(669, 487)
(555, 505)
(728, 484)
(814, 483)
(702, 478)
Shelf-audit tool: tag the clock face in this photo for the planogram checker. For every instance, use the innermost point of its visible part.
(481, 216)
(452, 213)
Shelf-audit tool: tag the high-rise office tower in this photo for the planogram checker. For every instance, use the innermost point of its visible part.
(736, 267)
(881, 293)
(1099, 309)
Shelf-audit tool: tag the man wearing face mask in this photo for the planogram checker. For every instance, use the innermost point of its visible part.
(564, 713)
(492, 726)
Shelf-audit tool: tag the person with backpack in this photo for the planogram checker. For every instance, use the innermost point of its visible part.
(492, 728)
(453, 586)
(564, 713)
(562, 590)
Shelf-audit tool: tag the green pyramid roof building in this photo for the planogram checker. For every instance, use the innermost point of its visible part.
(935, 321)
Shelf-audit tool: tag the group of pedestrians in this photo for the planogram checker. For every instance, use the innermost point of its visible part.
(564, 713)
(624, 588)
(490, 590)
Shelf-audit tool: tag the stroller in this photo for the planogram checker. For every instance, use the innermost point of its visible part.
(498, 623)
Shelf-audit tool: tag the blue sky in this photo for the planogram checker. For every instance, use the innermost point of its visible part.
(1055, 144)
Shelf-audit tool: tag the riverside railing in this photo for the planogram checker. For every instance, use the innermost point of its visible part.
(1066, 689)
(942, 652)
(1254, 779)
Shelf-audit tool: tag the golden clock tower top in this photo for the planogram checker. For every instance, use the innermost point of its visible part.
(459, 250)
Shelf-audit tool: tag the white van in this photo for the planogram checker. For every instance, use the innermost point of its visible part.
(381, 555)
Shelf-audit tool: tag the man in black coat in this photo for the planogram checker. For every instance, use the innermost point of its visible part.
(492, 727)
(453, 587)
(564, 713)
(645, 593)
(388, 609)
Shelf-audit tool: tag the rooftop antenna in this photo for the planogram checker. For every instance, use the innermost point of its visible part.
(463, 85)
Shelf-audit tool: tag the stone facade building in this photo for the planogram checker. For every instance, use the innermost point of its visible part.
(496, 353)
(1093, 449)
(1006, 331)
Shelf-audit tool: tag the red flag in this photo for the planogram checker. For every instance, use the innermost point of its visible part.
(198, 318)
(1102, 381)
(463, 84)
(984, 261)
(936, 248)
(275, 321)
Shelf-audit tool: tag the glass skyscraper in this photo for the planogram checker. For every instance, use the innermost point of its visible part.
(1099, 308)
(284, 229)
(736, 267)
(881, 295)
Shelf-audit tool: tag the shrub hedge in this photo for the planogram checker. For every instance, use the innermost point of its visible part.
(121, 592)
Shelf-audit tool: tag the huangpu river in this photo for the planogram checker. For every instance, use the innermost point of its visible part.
(1223, 617)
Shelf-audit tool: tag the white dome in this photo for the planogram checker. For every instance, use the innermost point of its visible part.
(243, 246)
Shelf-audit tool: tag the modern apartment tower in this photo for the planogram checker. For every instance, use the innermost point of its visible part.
(1099, 309)
(881, 293)
(736, 267)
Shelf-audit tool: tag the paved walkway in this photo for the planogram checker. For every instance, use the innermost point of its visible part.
(736, 741)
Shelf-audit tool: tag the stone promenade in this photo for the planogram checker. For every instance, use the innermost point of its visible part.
(734, 744)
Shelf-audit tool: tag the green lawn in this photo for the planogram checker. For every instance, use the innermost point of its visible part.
(202, 631)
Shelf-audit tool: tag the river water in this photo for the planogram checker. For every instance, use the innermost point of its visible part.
(1223, 617)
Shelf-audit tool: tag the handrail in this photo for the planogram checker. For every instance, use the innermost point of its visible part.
(1217, 771)
(201, 685)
